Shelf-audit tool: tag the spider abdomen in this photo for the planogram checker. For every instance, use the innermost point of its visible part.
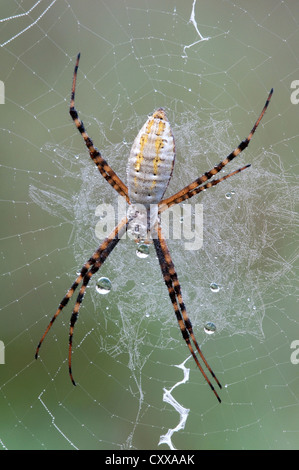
(151, 160)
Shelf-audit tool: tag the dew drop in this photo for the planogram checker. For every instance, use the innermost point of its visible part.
(214, 287)
(103, 285)
(142, 250)
(210, 328)
(230, 194)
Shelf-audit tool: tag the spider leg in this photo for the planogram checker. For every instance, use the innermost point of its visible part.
(67, 296)
(188, 190)
(165, 205)
(95, 155)
(175, 294)
(111, 243)
(106, 247)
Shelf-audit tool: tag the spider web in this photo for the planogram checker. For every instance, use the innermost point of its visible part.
(211, 66)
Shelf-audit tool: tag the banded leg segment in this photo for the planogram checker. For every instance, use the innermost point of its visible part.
(67, 296)
(180, 196)
(101, 253)
(165, 205)
(175, 294)
(110, 244)
(95, 155)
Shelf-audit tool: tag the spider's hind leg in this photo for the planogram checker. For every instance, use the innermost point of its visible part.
(195, 187)
(95, 155)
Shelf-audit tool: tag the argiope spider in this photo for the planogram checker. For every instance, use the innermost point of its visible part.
(149, 171)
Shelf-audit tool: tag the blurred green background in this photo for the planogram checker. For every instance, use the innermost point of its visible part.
(137, 56)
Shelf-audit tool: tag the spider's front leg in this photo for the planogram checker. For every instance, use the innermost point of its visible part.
(87, 271)
(175, 294)
(103, 252)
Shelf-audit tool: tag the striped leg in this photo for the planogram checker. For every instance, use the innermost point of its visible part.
(97, 259)
(95, 155)
(112, 241)
(189, 190)
(165, 205)
(175, 294)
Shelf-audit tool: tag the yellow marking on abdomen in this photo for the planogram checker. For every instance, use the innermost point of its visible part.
(139, 156)
(149, 126)
(158, 145)
(161, 127)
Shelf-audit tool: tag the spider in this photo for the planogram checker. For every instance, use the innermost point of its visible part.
(149, 171)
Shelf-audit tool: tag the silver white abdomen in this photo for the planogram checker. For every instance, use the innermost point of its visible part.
(151, 160)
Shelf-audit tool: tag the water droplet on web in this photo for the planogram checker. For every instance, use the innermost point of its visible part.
(230, 194)
(103, 285)
(142, 250)
(214, 287)
(210, 328)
